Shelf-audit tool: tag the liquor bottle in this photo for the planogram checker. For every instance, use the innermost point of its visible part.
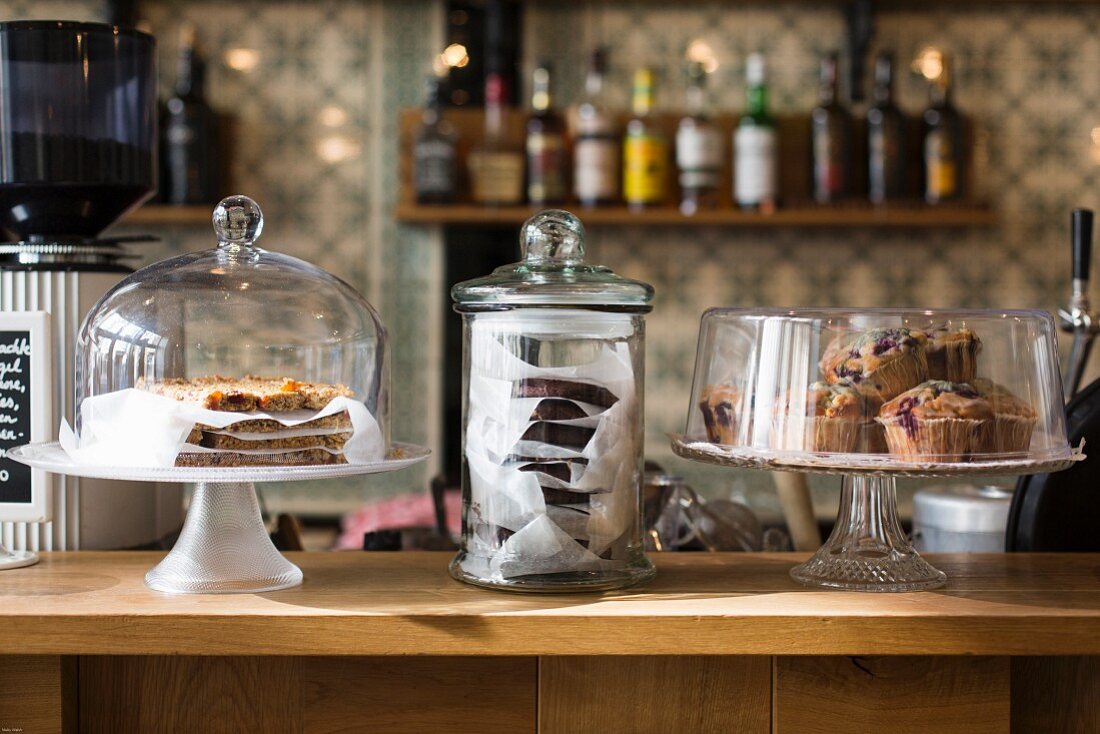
(596, 153)
(756, 177)
(435, 174)
(885, 137)
(546, 154)
(496, 165)
(832, 135)
(698, 148)
(943, 149)
(190, 155)
(645, 149)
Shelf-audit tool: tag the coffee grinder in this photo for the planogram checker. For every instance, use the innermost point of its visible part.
(78, 135)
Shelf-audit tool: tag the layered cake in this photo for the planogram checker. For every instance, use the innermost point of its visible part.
(259, 441)
(938, 421)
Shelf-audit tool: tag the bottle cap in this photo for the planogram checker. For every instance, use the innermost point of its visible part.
(754, 69)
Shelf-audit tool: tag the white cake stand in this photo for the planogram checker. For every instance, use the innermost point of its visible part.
(224, 547)
(867, 550)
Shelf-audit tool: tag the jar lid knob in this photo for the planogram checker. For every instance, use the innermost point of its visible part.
(553, 235)
(238, 221)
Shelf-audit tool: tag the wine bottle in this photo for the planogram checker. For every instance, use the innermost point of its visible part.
(698, 148)
(190, 144)
(546, 159)
(943, 147)
(885, 137)
(832, 134)
(597, 151)
(756, 178)
(645, 149)
(435, 175)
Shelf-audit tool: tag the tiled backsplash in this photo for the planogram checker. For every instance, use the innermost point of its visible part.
(1028, 74)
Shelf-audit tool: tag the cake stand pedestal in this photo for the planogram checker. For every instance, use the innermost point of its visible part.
(224, 547)
(867, 550)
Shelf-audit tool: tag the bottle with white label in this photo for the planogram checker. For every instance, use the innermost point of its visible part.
(596, 154)
(698, 149)
(756, 177)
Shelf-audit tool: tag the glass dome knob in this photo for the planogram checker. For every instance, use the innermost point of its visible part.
(553, 235)
(238, 220)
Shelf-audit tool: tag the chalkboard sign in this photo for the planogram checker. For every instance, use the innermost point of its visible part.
(26, 412)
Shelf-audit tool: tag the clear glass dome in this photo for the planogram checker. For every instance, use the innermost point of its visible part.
(852, 386)
(233, 311)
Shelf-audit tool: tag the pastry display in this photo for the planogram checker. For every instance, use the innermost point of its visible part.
(719, 404)
(842, 420)
(947, 421)
(881, 363)
(952, 354)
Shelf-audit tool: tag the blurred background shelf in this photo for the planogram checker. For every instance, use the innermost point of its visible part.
(165, 214)
(961, 215)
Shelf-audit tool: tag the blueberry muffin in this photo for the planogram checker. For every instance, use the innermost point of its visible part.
(842, 420)
(719, 405)
(953, 354)
(880, 363)
(1014, 419)
(938, 421)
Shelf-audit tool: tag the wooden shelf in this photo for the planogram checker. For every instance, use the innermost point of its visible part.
(811, 216)
(168, 214)
(94, 603)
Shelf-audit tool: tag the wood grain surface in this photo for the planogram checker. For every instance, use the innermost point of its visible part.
(32, 690)
(634, 695)
(700, 604)
(900, 695)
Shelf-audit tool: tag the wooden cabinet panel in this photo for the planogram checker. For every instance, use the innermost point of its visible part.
(635, 695)
(1055, 694)
(415, 695)
(835, 695)
(189, 694)
(32, 688)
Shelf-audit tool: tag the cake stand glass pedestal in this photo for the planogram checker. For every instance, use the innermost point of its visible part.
(868, 550)
(224, 547)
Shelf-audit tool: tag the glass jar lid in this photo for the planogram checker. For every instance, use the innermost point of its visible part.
(553, 273)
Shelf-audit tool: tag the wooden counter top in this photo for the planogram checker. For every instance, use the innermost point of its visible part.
(700, 604)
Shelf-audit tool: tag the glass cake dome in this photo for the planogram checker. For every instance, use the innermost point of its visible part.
(199, 326)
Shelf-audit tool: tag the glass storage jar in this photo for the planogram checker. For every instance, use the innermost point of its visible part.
(553, 370)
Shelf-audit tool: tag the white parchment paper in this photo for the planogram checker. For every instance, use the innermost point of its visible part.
(136, 428)
(549, 538)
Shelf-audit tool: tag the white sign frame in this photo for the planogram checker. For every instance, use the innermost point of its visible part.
(37, 324)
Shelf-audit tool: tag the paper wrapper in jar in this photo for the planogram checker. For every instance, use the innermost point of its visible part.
(551, 494)
(133, 427)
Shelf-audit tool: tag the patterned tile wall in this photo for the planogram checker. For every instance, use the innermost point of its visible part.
(316, 145)
(1028, 74)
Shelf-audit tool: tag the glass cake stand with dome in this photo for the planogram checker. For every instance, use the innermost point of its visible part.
(234, 310)
(873, 395)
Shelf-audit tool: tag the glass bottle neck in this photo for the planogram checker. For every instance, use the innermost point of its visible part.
(757, 100)
(695, 99)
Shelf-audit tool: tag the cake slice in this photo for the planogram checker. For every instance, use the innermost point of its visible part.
(241, 395)
(306, 457)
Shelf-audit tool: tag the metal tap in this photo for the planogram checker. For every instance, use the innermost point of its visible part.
(1079, 319)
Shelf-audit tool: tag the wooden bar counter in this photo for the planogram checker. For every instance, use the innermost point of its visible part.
(388, 642)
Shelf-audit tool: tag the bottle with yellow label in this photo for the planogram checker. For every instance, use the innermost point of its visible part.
(645, 150)
(943, 142)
